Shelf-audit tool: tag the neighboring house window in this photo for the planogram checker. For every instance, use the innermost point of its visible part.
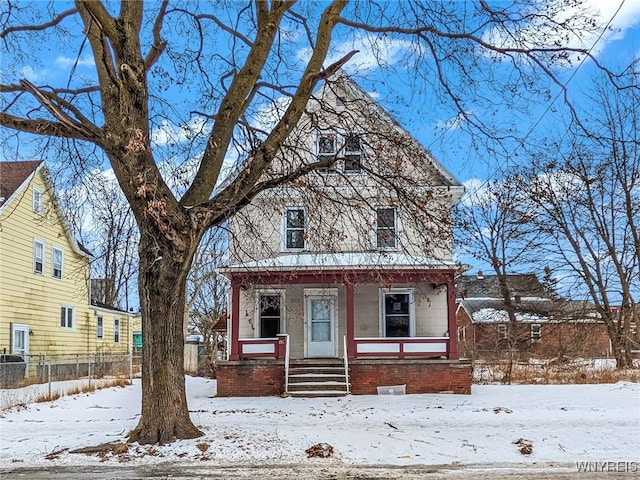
(38, 257)
(269, 315)
(397, 313)
(116, 330)
(462, 334)
(536, 332)
(294, 228)
(56, 262)
(37, 200)
(100, 327)
(386, 228)
(502, 331)
(67, 315)
(352, 154)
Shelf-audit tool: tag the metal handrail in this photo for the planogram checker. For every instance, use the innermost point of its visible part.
(346, 365)
(286, 365)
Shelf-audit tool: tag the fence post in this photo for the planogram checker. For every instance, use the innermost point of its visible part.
(77, 365)
(131, 367)
(49, 376)
(89, 369)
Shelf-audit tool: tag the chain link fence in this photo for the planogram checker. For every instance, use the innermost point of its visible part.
(27, 378)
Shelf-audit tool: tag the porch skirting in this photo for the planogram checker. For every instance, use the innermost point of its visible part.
(258, 378)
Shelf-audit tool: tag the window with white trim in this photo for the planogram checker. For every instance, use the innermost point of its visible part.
(397, 314)
(100, 327)
(67, 316)
(536, 332)
(502, 331)
(294, 228)
(386, 228)
(116, 330)
(57, 257)
(38, 257)
(343, 152)
(37, 200)
(269, 314)
(352, 154)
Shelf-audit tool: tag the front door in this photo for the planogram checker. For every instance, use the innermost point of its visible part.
(321, 321)
(20, 339)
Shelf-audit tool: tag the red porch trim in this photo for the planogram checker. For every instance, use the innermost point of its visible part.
(452, 320)
(234, 343)
(351, 343)
(403, 346)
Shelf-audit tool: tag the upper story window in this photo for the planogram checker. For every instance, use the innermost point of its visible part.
(344, 151)
(100, 327)
(352, 154)
(67, 316)
(386, 228)
(269, 315)
(327, 148)
(294, 228)
(37, 200)
(38, 257)
(56, 262)
(397, 314)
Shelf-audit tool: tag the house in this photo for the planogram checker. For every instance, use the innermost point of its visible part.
(340, 283)
(545, 327)
(45, 304)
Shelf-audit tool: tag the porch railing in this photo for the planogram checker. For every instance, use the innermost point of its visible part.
(264, 347)
(424, 347)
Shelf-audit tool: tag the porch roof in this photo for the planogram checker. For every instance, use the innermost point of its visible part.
(343, 261)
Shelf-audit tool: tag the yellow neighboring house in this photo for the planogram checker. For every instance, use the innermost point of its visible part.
(44, 275)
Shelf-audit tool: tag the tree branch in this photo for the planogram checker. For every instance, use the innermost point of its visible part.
(44, 26)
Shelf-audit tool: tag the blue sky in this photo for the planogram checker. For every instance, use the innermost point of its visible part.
(434, 124)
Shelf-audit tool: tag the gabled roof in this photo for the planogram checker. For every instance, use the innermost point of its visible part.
(488, 286)
(13, 175)
(343, 82)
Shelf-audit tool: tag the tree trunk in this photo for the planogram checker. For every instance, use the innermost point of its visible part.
(162, 283)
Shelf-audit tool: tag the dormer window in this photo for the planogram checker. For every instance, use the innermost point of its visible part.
(294, 227)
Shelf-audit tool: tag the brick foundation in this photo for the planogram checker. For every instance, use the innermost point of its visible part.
(250, 378)
(420, 376)
(257, 378)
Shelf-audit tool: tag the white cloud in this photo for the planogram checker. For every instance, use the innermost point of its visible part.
(452, 123)
(544, 32)
(66, 62)
(168, 133)
(30, 74)
(373, 52)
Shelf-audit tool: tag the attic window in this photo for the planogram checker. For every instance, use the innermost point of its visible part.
(37, 200)
(352, 154)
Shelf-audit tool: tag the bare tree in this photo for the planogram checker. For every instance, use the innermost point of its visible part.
(210, 68)
(101, 217)
(494, 221)
(587, 203)
(207, 297)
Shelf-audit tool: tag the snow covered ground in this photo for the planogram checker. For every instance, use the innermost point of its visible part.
(559, 424)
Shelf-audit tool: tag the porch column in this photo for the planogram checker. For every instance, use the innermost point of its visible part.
(234, 342)
(452, 323)
(351, 343)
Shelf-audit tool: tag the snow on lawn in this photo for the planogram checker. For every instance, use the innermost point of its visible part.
(562, 423)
